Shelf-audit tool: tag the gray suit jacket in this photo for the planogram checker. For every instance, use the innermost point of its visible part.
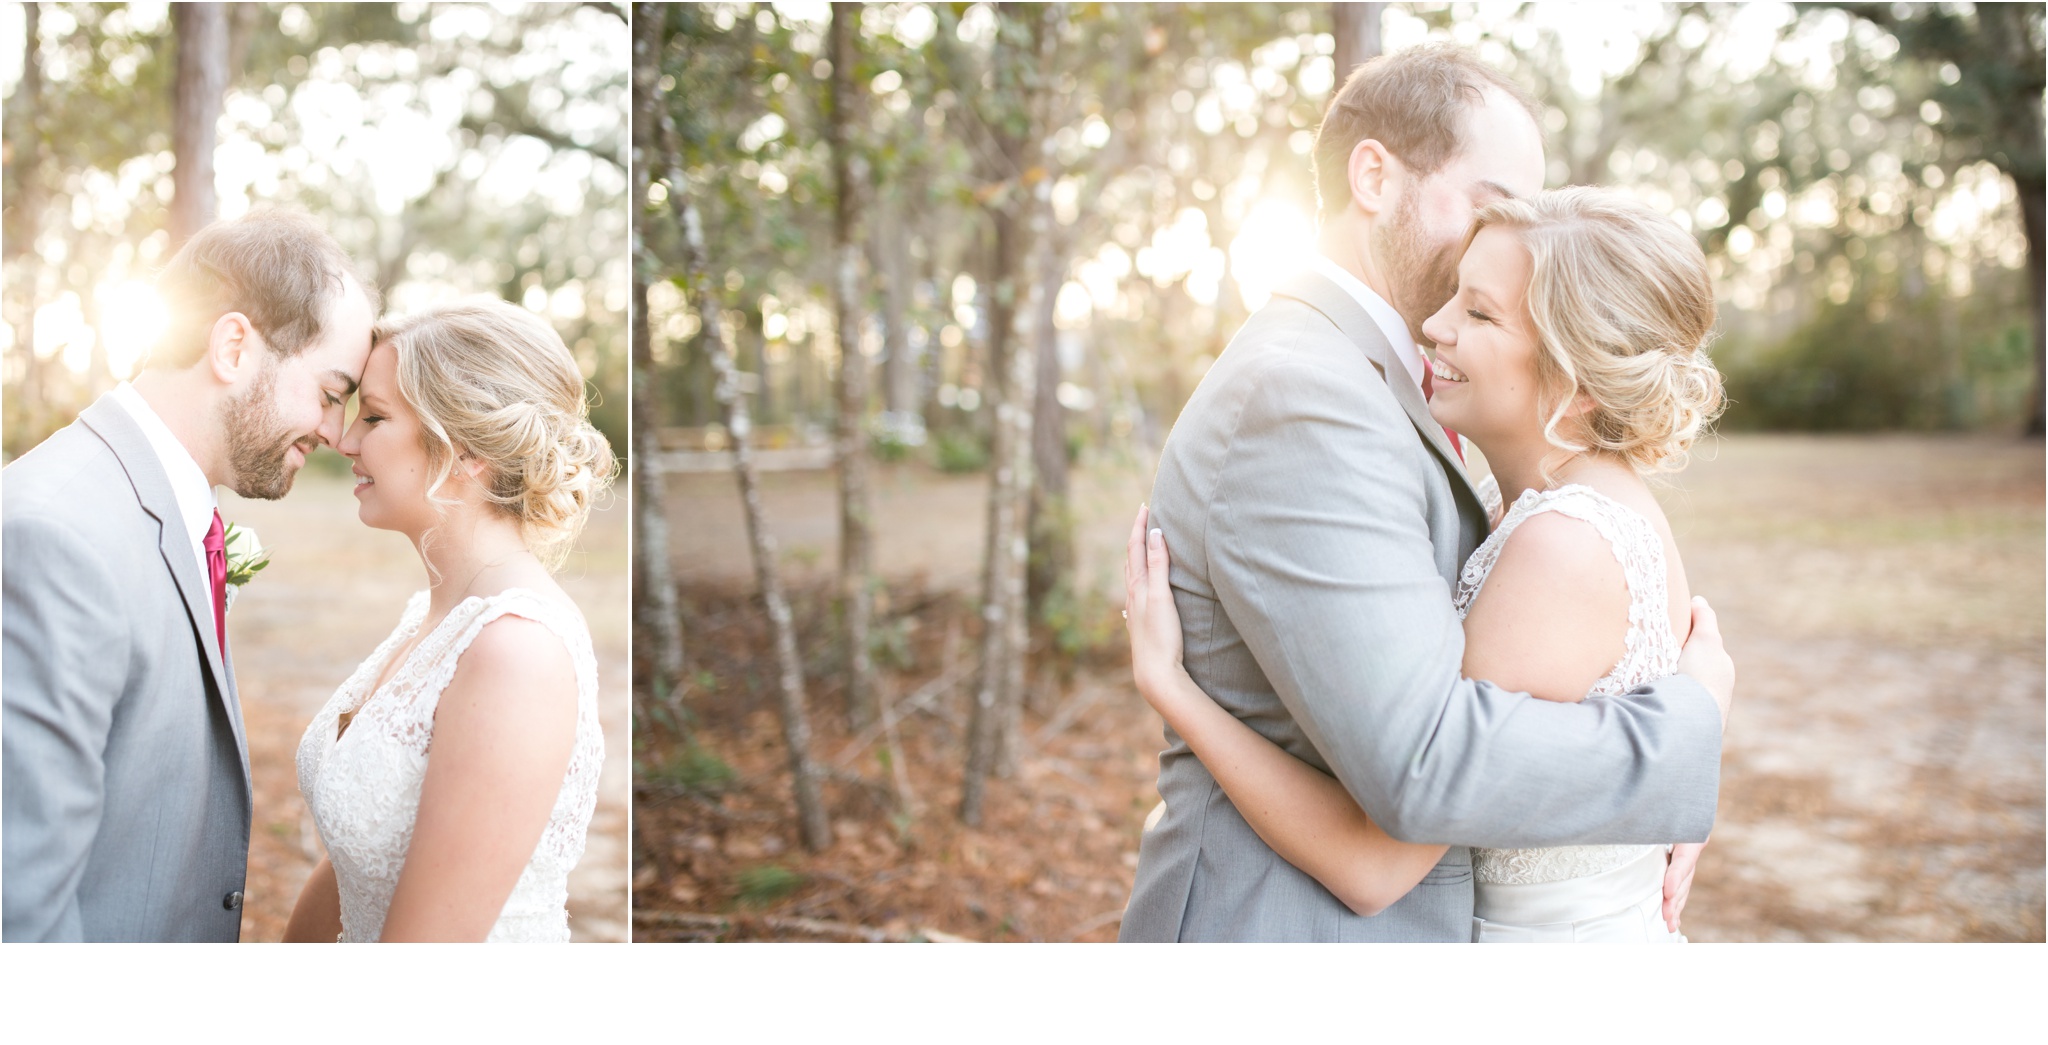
(127, 798)
(1317, 518)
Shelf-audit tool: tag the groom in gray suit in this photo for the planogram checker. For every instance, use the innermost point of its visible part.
(126, 776)
(1318, 519)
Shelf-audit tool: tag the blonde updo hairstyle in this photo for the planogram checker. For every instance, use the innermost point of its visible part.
(1623, 309)
(494, 382)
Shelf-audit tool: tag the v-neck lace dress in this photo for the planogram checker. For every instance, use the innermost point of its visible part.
(363, 785)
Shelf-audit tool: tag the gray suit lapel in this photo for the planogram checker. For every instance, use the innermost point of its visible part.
(111, 422)
(1315, 290)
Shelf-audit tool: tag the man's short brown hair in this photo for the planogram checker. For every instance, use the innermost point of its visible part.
(1414, 103)
(278, 267)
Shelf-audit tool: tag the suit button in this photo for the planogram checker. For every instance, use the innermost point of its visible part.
(232, 901)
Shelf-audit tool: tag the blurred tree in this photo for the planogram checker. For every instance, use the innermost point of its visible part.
(691, 273)
(1016, 194)
(1990, 110)
(452, 149)
(1358, 35)
(856, 501)
(202, 31)
(22, 194)
(657, 626)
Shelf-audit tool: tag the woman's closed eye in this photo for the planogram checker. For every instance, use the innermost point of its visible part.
(1478, 315)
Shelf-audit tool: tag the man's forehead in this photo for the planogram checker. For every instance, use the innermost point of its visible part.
(1503, 153)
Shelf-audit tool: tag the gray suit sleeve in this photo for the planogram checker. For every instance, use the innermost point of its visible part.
(65, 662)
(1320, 553)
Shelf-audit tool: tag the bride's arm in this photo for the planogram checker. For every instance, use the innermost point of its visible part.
(503, 734)
(1306, 816)
(316, 918)
(1552, 617)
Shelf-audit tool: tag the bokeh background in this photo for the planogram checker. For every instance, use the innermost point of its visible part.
(452, 149)
(1049, 221)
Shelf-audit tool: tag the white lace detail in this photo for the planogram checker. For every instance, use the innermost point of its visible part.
(1650, 653)
(363, 788)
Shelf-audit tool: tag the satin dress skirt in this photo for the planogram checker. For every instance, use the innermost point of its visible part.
(1624, 905)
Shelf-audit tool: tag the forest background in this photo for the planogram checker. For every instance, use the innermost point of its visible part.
(927, 284)
(452, 150)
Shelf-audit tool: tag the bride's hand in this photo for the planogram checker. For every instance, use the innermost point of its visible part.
(1678, 872)
(1149, 614)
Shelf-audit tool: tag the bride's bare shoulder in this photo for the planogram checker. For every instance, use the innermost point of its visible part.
(1553, 615)
(515, 677)
(1559, 553)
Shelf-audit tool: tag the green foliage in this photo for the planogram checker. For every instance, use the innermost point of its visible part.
(1881, 361)
(1790, 141)
(895, 437)
(694, 769)
(765, 884)
(960, 452)
(542, 89)
(889, 643)
(1080, 624)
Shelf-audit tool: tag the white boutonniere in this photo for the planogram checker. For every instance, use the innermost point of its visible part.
(246, 557)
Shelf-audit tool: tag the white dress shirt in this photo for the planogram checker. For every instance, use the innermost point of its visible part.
(196, 499)
(1390, 321)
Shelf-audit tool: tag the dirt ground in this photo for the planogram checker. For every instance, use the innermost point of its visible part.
(1883, 774)
(334, 590)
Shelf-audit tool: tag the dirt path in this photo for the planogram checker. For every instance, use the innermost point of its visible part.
(334, 590)
(1883, 777)
(1883, 774)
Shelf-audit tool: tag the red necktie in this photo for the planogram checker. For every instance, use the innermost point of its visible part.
(1428, 390)
(217, 573)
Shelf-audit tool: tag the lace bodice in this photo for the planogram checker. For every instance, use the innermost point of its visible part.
(1650, 651)
(363, 787)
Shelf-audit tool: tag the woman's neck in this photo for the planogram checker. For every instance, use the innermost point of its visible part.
(1519, 464)
(458, 554)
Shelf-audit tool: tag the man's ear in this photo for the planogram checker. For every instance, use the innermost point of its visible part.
(1371, 174)
(233, 348)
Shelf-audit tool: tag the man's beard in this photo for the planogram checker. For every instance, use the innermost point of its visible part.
(257, 441)
(1421, 275)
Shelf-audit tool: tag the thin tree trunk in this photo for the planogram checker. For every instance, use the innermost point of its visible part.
(933, 364)
(796, 729)
(754, 353)
(1018, 63)
(1358, 35)
(242, 19)
(985, 724)
(23, 218)
(1051, 521)
(2031, 217)
(856, 583)
(1021, 399)
(891, 258)
(656, 624)
(202, 31)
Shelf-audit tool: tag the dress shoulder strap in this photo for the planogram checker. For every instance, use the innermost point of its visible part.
(467, 620)
(1652, 647)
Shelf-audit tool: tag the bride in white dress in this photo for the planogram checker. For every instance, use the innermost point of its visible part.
(452, 777)
(1572, 356)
